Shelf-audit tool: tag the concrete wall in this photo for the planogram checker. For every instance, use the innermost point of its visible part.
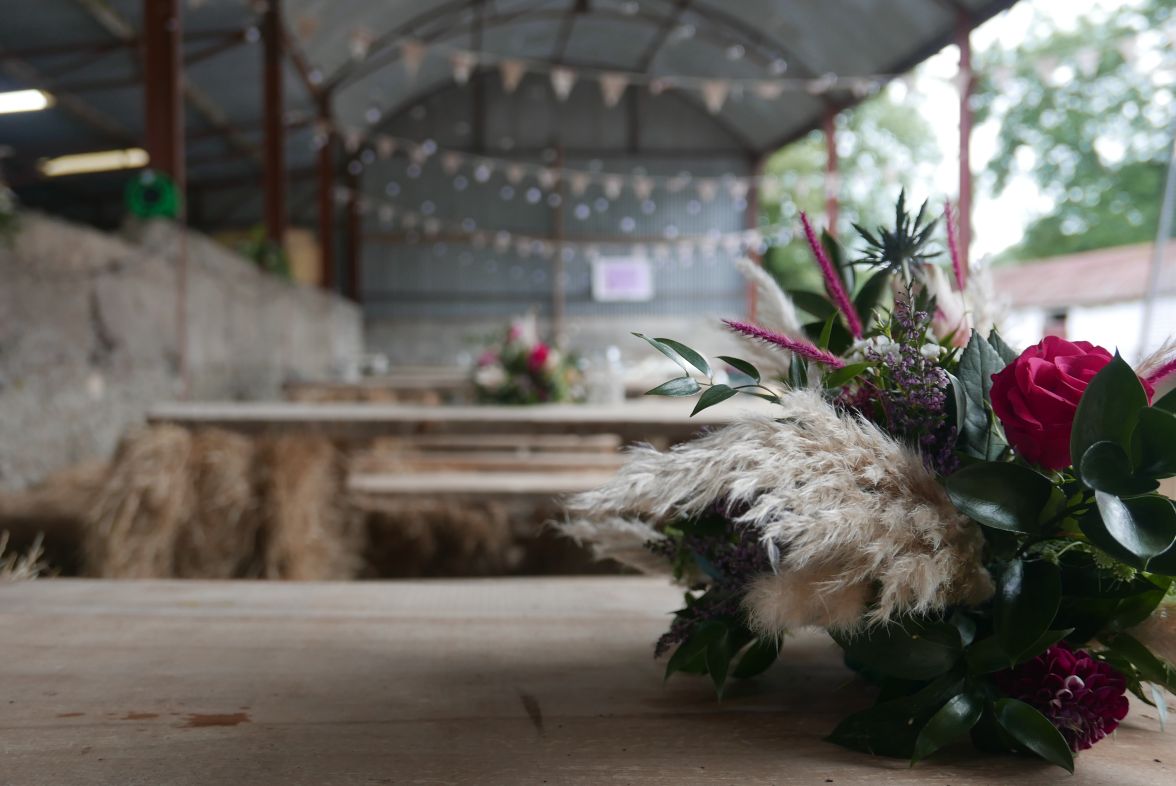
(88, 336)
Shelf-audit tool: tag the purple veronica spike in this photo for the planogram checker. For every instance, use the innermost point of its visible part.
(833, 281)
(795, 345)
(953, 246)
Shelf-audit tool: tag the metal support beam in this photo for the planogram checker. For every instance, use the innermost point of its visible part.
(559, 283)
(163, 79)
(832, 178)
(966, 85)
(326, 201)
(274, 179)
(354, 241)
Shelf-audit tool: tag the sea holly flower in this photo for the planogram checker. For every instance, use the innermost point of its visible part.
(1083, 697)
(1036, 397)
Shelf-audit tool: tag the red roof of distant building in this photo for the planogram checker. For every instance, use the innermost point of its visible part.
(1106, 275)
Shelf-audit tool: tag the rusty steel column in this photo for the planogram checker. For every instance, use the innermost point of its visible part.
(354, 240)
(829, 126)
(163, 82)
(326, 200)
(274, 182)
(966, 86)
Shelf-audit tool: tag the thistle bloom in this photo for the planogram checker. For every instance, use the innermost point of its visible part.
(1083, 697)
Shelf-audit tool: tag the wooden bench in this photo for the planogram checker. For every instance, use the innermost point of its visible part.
(523, 681)
(450, 484)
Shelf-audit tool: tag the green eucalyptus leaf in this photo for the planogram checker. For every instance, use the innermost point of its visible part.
(1144, 526)
(1140, 662)
(1033, 730)
(1106, 467)
(1027, 598)
(689, 355)
(756, 659)
(1109, 409)
(1155, 438)
(665, 350)
(718, 661)
(957, 403)
(951, 722)
(798, 373)
(715, 394)
(827, 332)
(988, 655)
(814, 304)
(891, 728)
(870, 295)
(1167, 402)
(742, 366)
(695, 647)
(843, 375)
(678, 386)
(1007, 353)
(1000, 495)
(911, 651)
(978, 362)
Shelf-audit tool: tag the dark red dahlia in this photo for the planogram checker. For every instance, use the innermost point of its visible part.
(1083, 697)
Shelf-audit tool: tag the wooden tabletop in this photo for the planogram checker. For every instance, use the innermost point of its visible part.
(520, 681)
(632, 421)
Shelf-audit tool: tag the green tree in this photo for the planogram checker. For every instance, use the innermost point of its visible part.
(1085, 111)
(884, 144)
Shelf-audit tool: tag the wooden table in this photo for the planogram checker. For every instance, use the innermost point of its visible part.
(446, 682)
(633, 422)
(481, 484)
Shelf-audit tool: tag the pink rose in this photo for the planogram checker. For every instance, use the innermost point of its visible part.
(1036, 397)
(538, 358)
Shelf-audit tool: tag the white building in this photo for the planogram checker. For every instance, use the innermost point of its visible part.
(1095, 296)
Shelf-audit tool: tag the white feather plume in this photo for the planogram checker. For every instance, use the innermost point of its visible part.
(865, 533)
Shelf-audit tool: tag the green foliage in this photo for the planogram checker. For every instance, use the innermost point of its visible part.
(1079, 109)
(1001, 495)
(266, 254)
(981, 436)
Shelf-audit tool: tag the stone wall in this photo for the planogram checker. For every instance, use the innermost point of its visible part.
(88, 337)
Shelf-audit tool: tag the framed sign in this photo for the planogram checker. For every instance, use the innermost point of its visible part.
(622, 280)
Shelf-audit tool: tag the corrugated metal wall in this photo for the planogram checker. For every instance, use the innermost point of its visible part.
(413, 274)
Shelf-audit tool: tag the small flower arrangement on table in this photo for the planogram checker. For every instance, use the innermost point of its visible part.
(979, 529)
(519, 368)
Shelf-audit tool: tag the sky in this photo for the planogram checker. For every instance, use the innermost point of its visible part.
(997, 222)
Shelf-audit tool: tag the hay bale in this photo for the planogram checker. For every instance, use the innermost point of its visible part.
(53, 514)
(139, 510)
(414, 538)
(307, 533)
(220, 539)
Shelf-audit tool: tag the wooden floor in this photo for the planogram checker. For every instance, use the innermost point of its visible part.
(448, 682)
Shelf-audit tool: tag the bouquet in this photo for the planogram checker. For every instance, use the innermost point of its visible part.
(519, 368)
(978, 529)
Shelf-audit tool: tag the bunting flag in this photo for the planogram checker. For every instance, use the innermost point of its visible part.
(707, 189)
(511, 73)
(548, 178)
(360, 43)
(613, 185)
(385, 147)
(562, 81)
(714, 94)
(451, 162)
(580, 182)
(412, 53)
(612, 87)
(463, 64)
(769, 91)
(515, 173)
(643, 187)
